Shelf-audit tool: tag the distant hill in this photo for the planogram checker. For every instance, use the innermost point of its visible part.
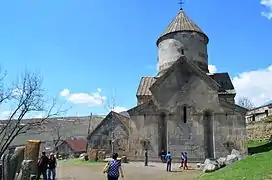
(70, 126)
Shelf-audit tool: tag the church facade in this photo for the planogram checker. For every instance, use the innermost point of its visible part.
(184, 108)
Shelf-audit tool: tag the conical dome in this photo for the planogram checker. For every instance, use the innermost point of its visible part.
(181, 23)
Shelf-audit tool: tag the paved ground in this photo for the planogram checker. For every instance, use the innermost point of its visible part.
(133, 171)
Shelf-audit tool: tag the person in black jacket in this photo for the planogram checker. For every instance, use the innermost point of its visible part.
(52, 164)
(42, 166)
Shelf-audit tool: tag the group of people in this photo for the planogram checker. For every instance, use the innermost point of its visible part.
(47, 167)
(168, 159)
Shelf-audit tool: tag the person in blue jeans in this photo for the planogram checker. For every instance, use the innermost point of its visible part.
(52, 164)
(114, 168)
(168, 159)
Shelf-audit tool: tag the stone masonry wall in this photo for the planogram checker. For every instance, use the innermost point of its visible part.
(259, 130)
(230, 133)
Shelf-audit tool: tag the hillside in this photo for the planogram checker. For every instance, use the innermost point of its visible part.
(255, 167)
(69, 127)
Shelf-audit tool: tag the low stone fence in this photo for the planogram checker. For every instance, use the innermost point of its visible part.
(259, 130)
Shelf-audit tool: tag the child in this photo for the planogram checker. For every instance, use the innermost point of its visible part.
(168, 158)
(185, 161)
(181, 160)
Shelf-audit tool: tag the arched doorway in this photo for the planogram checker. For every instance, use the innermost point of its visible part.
(162, 129)
(208, 134)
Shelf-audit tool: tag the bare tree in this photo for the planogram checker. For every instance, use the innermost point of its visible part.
(62, 129)
(89, 130)
(25, 97)
(245, 102)
(110, 103)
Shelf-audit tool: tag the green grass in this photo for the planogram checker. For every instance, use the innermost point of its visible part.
(256, 143)
(255, 167)
(80, 162)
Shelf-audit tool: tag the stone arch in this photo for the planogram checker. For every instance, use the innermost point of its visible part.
(208, 133)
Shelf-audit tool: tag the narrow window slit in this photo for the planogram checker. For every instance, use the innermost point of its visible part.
(184, 114)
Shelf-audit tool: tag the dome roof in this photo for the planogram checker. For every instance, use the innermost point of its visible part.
(181, 23)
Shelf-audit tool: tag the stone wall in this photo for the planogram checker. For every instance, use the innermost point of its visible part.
(230, 133)
(259, 130)
(191, 44)
(112, 133)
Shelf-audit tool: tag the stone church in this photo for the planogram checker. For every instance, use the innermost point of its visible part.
(184, 108)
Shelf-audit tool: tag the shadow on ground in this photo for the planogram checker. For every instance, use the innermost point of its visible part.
(260, 149)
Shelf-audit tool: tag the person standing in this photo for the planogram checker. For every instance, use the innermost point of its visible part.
(146, 158)
(42, 166)
(162, 154)
(52, 164)
(181, 160)
(168, 158)
(185, 161)
(113, 168)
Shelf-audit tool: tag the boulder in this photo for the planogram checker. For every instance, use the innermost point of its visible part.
(108, 159)
(207, 161)
(221, 162)
(231, 159)
(84, 157)
(124, 159)
(237, 154)
(209, 168)
(200, 166)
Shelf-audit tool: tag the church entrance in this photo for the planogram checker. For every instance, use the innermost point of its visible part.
(162, 129)
(208, 135)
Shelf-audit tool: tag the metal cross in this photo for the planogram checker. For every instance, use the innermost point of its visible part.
(181, 3)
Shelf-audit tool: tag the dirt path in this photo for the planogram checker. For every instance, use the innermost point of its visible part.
(133, 171)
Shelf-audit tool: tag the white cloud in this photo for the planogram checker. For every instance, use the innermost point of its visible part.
(119, 109)
(36, 115)
(65, 93)
(5, 115)
(256, 85)
(212, 68)
(268, 5)
(90, 99)
(17, 92)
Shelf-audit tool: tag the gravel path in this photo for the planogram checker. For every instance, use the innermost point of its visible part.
(133, 171)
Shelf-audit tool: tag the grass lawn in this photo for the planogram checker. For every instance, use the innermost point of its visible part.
(80, 162)
(255, 167)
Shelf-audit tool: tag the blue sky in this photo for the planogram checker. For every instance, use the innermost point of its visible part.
(84, 45)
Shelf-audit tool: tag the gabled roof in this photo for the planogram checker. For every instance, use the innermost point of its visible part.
(181, 22)
(122, 118)
(140, 107)
(145, 83)
(77, 145)
(223, 79)
(180, 62)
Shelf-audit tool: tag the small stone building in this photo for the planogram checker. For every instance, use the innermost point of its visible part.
(184, 108)
(72, 147)
(259, 113)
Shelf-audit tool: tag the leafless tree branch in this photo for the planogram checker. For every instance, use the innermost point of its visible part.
(246, 103)
(110, 103)
(25, 97)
